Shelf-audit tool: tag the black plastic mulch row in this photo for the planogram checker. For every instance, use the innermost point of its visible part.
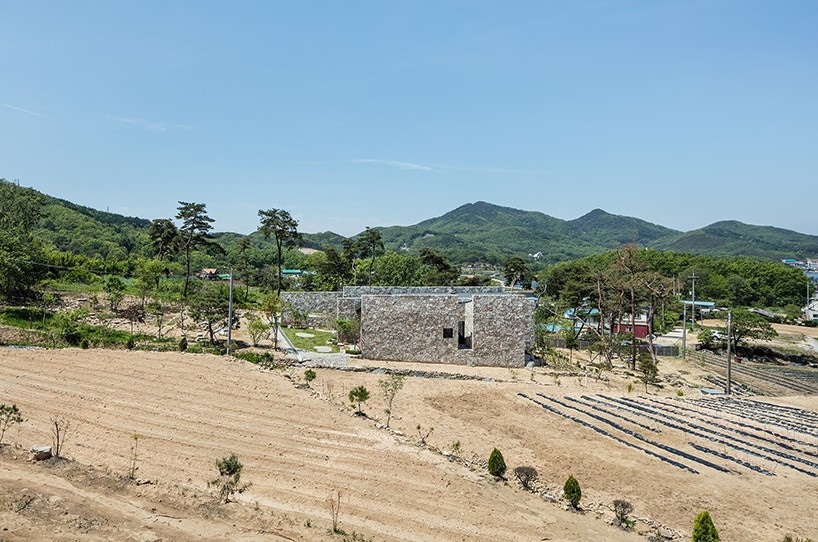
(609, 435)
(637, 436)
(746, 408)
(676, 404)
(672, 410)
(731, 443)
(741, 462)
(597, 406)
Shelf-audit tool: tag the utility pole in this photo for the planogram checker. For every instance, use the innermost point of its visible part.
(684, 332)
(693, 277)
(230, 315)
(729, 344)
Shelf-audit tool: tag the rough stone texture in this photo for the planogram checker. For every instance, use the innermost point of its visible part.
(359, 291)
(349, 308)
(321, 304)
(411, 328)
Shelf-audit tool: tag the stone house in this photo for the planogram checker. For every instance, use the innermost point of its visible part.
(458, 325)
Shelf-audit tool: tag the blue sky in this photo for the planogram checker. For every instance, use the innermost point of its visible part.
(375, 113)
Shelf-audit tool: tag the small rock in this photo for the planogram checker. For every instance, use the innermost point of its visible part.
(39, 453)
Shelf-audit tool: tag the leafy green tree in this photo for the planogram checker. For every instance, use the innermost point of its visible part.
(164, 237)
(703, 528)
(357, 396)
(194, 233)
(210, 306)
(68, 325)
(390, 387)
(229, 481)
(370, 244)
(649, 368)
(748, 325)
(496, 465)
(114, 287)
(273, 307)
(280, 225)
(335, 268)
(9, 415)
(243, 263)
(572, 491)
(517, 271)
(156, 309)
(439, 271)
(20, 249)
(397, 269)
(257, 329)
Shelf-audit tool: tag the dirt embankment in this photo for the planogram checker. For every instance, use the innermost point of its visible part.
(297, 445)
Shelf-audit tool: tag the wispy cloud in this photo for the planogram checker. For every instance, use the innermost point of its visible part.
(26, 111)
(487, 169)
(442, 168)
(395, 164)
(151, 125)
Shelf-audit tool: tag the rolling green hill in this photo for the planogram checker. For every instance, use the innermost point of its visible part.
(732, 238)
(474, 232)
(482, 231)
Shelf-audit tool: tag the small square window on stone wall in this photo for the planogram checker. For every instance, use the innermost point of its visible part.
(448, 332)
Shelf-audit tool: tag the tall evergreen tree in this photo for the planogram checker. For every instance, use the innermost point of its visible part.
(370, 243)
(164, 237)
(194, 233)
(280, 225)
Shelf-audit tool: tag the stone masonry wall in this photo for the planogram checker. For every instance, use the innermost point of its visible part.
(410, 328)
(358, 291)
(324, 304)
(503, 329)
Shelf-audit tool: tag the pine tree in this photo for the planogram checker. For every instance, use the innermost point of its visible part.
(572, 491)
(497, 465)
(703, 528)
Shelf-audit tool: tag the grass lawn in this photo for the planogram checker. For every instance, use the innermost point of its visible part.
(319, 338)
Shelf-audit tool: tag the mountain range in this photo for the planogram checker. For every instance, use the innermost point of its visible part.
(474, 232)
(482, 230)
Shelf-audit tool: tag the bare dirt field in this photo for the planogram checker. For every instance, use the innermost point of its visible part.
(298, 445)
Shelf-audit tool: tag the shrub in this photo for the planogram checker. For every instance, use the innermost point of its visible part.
(229, 480)
(572, 491)
(84, 344)
(526, 476)
(622, 509)
(703, 528)
(497, 465)
(9, 415)
(130, 344)
(257, 329)
(390, 386)
(61, 429)
(357, 396)
(182, 344)
(309, 376)
(349, 331)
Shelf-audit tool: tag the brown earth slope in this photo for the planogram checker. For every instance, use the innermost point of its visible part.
(298, 445)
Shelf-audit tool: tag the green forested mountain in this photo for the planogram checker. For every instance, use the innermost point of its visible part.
(485, 232)
(474, 232)
(732, 238)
